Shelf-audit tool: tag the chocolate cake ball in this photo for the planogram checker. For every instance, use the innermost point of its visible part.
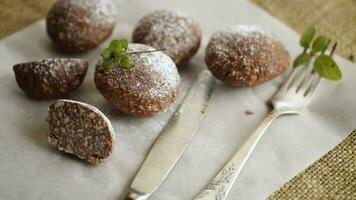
(50, 78)
(146, 89)
(177, 33)
(245, 56)
(79, 25)
(80, 129)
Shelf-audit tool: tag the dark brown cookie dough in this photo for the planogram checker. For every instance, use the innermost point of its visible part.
(146, 89)
(245, 56)
(79, 25)
(80, 129)
(50, 78)
(177, 33)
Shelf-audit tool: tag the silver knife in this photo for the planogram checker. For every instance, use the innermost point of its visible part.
(173, 140)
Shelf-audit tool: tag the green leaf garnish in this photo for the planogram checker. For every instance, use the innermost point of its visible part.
(302, 59)
(107, 64)
(124, 44)
(320, 44)
(116, 46)
(116, 55)
(127, 62)
(107, 54)
(323, 65)
(326, 67)
(307, 37)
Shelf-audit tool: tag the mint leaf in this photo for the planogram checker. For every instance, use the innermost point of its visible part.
(108, 64)
(320, 44)
(106, 54)
(301, 59)
(115, 46)
(126, 62)
(116, 55)
(326, 67)
(307, 37)
(124, 44)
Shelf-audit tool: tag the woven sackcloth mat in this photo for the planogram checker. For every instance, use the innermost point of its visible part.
(16, 14)
(334, 18)
(332, 177)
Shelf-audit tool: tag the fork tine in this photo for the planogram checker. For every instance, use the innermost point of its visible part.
(313, 87)
(290, 79)
(303, 74)
(306, 84)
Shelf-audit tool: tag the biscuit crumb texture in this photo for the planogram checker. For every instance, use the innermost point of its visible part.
(80, 129)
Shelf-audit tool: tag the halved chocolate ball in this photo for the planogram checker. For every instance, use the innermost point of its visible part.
(80, 129)
(50, 78)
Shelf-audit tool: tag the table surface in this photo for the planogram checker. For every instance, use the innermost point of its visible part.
(32, 169)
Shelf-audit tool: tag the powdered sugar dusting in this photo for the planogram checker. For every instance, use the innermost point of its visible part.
(50, 66)
(245, 55)
(161, 66)
(154, 75)
(247, 30)
(146, 89)
(78, 25)
(99, 12)
(173, 31)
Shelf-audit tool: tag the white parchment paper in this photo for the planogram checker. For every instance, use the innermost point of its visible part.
(31, 169)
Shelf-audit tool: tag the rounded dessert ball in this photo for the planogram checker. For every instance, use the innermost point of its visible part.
(144, 90)
(50, 78)
(245, 56)
(179, 34)
(79, 25)
(80, 129)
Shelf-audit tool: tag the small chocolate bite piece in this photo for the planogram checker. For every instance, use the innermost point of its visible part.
(80, 129)
(146, 89)
(79, 25)
(50, 78)
(245, 56)
(179, 34)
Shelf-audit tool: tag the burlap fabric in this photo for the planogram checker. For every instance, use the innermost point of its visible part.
(334, 18)
(332, 177)
(16, 14)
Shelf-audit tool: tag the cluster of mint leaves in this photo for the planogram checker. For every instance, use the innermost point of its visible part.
(116, 55)
(323, 64)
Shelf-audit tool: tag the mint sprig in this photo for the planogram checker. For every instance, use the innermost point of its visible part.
(117, 55)
(324, 65)
(307, 37)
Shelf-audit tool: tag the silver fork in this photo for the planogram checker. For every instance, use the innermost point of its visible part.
(292, 98)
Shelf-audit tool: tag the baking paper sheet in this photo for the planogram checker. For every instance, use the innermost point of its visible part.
(31, 169)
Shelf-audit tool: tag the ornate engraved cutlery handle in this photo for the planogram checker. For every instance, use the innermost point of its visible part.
(219, 187)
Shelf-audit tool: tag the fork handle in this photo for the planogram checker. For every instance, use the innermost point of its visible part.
(219, 186)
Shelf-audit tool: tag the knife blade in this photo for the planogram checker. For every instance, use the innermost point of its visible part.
(173, 140)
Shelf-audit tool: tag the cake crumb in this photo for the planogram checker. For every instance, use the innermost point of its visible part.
(205, 108)
(248, 112)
